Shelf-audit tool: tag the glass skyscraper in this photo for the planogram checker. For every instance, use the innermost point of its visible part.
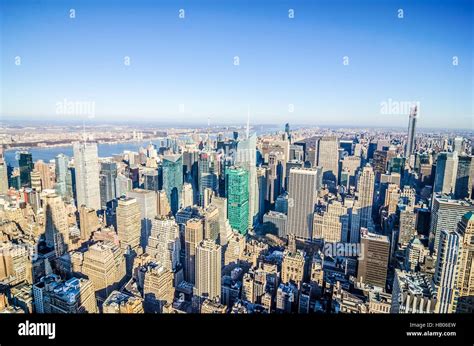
(237, 192)
(173, 180)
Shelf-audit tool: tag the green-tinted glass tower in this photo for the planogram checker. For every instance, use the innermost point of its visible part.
(237, 192)
(173, 180)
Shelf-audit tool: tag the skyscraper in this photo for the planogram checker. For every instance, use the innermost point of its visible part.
(332, 224)
(365, 190)
(237, 192)
(328, 157)
(87, 174)
(373, 262)
(465, 282)
(246, 157)
(410, 145)
(147, 205)
(25, 163)
(56, 224)
(193, 236)
(446, 275)
(445, 215)
(164, 244)
(61, 163)
(208, 269)
(462, 188)
(108, 174)
(446, 169)
(128, 224)
(3, 173)
(173, 180)
(303, 187)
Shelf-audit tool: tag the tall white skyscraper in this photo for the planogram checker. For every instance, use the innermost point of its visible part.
(446, 273)
(87, 170)
(208, 269)
(303, 187)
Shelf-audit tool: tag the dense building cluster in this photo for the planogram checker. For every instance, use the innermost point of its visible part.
(304, 221)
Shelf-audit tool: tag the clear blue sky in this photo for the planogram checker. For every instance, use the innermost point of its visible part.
(282, 61)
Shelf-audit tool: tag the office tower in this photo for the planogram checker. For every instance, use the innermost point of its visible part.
(163, 243)
(88, 222)
(410, 145)
(45, 175)
(86, 163)
(465, 282)
(208, 269)
(407, 226)
(25, 163)
(187, 195)
(373, 263)
(122, 303)
(446, 273)
(286, 297)
(446, 169)
(123, 184)
(332, 223)
(458, 145)
(462, 188)
(351, 164)
(275, 223)
(328, 157)
(3, 176)
(163, 206)
(303, 189)
(208, 169)
(173, 180)
(235, 249)
(73, 296)
(292, 267)
(211, 222)
(445, 215)
(128, 224)
(35, 180)
(147, 204)
(158, 288)
(237, 192)
(365, 191)
(108, 175)
(15, 263)
(151, 180)
(224, 226)
(275, 175)
(412, 293)
(61, 163)
(392, 195)
(246, 158)
(262, 194)
(104, 264)
(193, 236)
(380, 162)
(56, 224)
(414, 255)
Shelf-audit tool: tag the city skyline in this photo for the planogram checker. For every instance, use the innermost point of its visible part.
(182, 69)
